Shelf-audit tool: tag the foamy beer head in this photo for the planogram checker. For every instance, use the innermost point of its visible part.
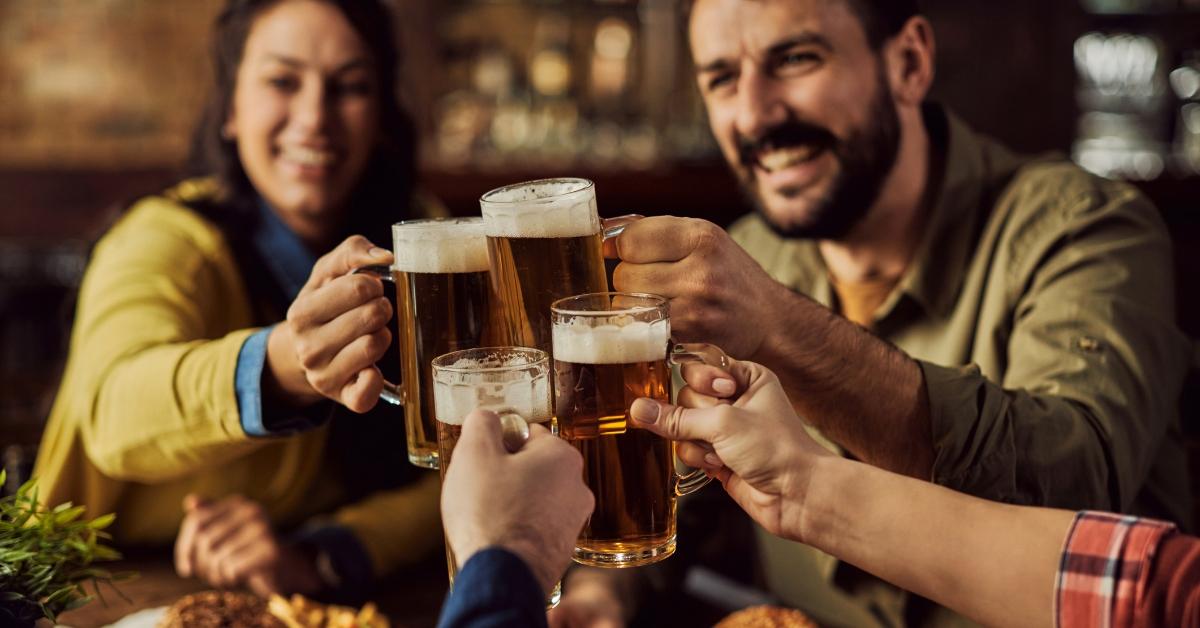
(500, 379)
(547, 208)
(440, 245)
(611, 340)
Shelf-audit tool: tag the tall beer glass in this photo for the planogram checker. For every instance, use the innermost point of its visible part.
(545, 243)
(610, 349)
(442, 294)
(506, 380)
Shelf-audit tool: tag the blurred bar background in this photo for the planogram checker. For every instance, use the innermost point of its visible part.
(98, 97)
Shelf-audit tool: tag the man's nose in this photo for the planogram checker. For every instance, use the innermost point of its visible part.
(760, 105)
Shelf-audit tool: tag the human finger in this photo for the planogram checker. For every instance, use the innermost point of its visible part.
(663, 278)
(185, 547)
(678, 423)
(333, 299)
(213, 538)
(698, 455)
(318, 346)
(363, 352)
(200, 514)
(688, 397)
(354, 252)
(610, 244)
(252, 549)
(664, 239)
(712, 380)
(361, 392)
(481, 430)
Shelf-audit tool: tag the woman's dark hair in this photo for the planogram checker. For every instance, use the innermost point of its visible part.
(384, 193)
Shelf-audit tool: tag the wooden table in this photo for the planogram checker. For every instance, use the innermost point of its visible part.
(410, 599)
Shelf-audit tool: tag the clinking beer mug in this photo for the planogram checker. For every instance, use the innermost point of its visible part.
(545, 242)
(442, 295)
(609, 349)
(513, 382)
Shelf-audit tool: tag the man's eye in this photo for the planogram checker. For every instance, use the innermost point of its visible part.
(792, 59)
(719, 80)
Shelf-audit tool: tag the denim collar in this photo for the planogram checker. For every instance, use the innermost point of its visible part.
(287, 258)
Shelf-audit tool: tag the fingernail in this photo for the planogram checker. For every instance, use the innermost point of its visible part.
(712, 460)
(378, 252)
(724, 386)
(644, 411)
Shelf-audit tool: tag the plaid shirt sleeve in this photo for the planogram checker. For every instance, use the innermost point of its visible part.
(1104, 568)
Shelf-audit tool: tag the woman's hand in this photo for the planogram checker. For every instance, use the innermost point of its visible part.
(755, 446)
(335, 331)
(229, 543)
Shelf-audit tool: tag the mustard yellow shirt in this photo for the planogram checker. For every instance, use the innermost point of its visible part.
(147, 410)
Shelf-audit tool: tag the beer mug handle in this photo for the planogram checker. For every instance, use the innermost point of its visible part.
(689, 353)
(613, 232)
(391, 393)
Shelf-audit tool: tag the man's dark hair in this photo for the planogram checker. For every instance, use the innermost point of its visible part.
(882, 19)
(382, 196)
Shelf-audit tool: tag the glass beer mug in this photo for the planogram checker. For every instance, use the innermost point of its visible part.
(545, 242)
(442, 294)
(513, 382)
(609, 349)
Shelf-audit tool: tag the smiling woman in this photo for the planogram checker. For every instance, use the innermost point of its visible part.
(305, 113)
(218, 324)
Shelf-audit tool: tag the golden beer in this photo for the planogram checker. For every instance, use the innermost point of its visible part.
(505, 380)
(545, 243)
(609, 350)
(442, 296)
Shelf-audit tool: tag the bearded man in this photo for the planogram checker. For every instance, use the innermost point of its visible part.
(934, 304)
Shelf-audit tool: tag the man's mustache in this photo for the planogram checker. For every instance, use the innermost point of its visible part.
(790, 133)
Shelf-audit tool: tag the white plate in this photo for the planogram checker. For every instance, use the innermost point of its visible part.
(147, 618)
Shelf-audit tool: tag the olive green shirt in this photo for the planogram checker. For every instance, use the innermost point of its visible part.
(1040, 307)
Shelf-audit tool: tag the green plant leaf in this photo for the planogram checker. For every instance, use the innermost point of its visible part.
(101, 522)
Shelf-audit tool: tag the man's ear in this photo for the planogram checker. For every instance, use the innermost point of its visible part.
(910, 61)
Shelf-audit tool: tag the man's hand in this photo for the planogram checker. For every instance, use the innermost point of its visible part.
(532, 503)
(756, 447)
(718, 293)
(229, 543)
(335, 331)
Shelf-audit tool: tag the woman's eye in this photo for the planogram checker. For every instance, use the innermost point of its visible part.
(356, 88)
(283, 83)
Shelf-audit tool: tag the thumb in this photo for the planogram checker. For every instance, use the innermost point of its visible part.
(354, 252)
(610, 243)
(481, 430)
(676, 422)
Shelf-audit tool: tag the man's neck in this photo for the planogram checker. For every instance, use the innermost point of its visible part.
(881, 245)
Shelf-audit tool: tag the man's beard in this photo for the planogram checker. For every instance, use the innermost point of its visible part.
(865, 158)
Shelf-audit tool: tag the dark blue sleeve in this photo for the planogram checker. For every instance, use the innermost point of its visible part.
(342, 562)
(247, 380)
(495, 589)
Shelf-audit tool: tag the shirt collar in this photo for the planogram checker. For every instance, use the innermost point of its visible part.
(287, 258)
(970, 166)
